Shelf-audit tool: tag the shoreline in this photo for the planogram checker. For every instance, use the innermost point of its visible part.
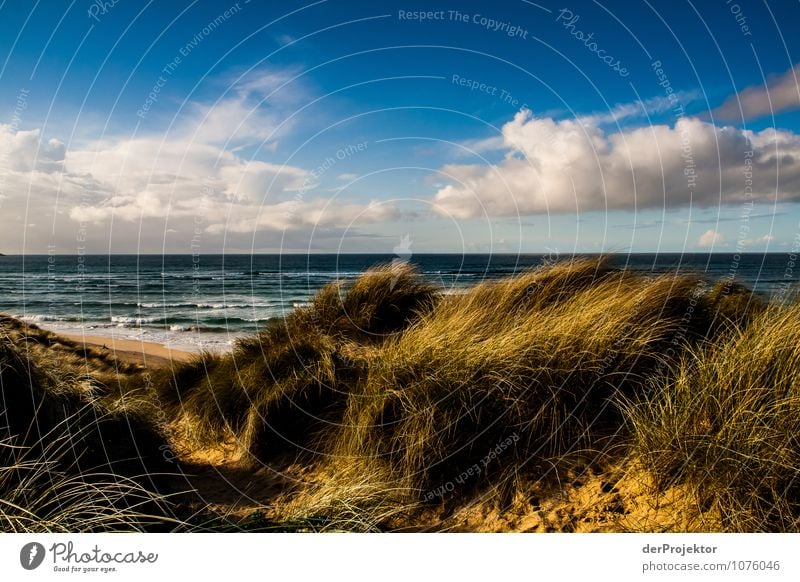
(146, 353)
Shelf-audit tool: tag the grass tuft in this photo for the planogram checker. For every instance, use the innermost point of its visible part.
(729, 425)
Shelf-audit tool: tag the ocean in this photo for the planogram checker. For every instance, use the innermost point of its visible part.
(198, 302)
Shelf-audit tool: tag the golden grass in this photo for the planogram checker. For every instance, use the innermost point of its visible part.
(396, 401)
(72, 457)
(729, 425)
(541, 359)
(276, 390)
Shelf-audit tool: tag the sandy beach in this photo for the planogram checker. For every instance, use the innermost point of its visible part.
(150, 354)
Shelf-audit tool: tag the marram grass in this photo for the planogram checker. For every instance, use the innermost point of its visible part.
(397, 399)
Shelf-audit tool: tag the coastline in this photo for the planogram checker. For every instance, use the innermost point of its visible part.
(150, 354)
(259, 429)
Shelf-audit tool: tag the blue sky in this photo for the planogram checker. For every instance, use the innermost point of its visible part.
(342, 126)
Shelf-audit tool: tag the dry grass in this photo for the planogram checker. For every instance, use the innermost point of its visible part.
(389, 406)
(540, 359)
(276, 391)
(70, 461)
(729, 425)
(40, 492)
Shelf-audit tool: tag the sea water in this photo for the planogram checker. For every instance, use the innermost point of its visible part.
(207, 301)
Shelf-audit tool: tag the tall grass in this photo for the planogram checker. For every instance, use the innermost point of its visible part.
(729, 425)
(401, 396)
(541, 359)
(396, 398)
(39, 492)
(68, 462)
(277, 390)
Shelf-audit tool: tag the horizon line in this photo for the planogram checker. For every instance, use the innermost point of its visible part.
(454, 253)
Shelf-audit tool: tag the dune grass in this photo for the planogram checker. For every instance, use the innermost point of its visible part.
(68, 460)
(276, 390)
(39, 492)
(404, 397)
(522, 375)
(398, 399)
(729, 425)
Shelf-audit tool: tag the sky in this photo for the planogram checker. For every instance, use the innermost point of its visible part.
(341, 126)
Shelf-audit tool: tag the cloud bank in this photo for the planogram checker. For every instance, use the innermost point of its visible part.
(573, 166)
(193, 175)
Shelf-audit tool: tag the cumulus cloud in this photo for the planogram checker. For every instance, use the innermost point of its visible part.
(710, 238)
(572, 166)
(780, 94)
(195, 167)
(230, 121)
(150, 177)
(24, 151)
(145, 178)
(762, 240)
(157, 185)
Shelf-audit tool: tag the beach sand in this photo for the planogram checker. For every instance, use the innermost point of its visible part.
(150, 354)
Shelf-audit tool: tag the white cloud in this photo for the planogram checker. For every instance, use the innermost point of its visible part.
(151, 179)
(152, 185)
(570, 166)
(230, 121)
(780, 94)
(652, 106)
(257, 107)
(480, 146)
(23, 151)
(710, 238)
(763, 240)
(256, 180)
(615, 114)
(295, 214)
